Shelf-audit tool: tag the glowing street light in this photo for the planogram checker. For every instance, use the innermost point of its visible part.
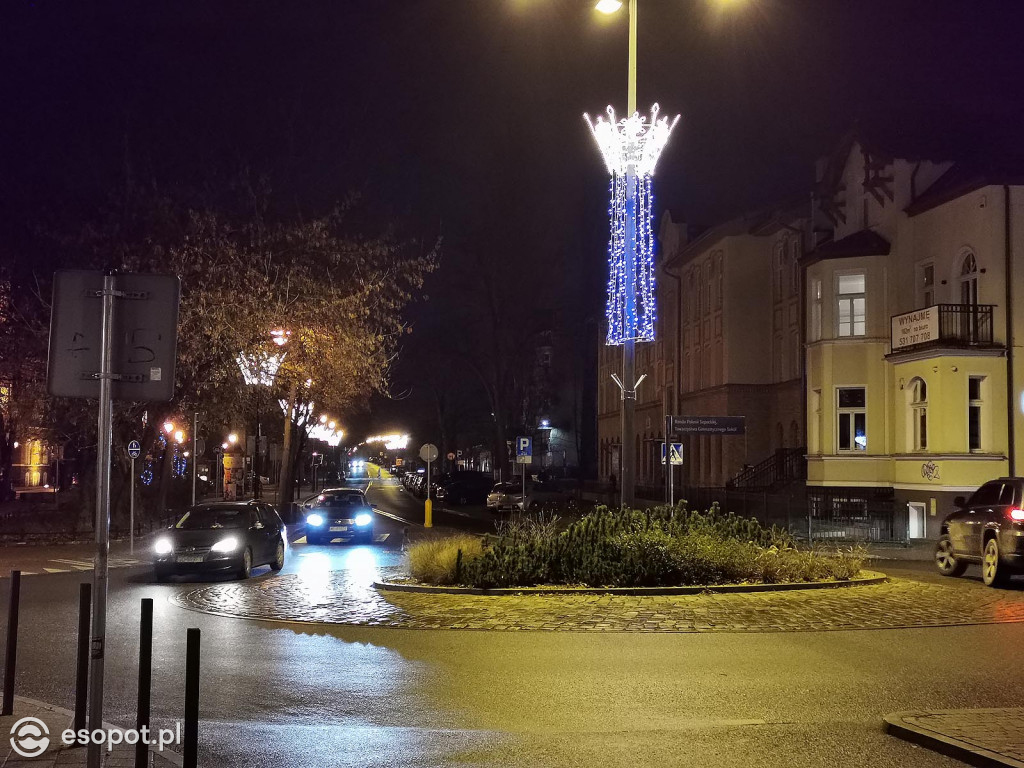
(232, 438)
(608, 6)
(168, 427)
(179, 436)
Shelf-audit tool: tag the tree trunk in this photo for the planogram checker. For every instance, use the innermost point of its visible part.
(284, 486)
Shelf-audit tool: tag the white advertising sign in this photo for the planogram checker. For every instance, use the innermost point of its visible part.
(913, 328)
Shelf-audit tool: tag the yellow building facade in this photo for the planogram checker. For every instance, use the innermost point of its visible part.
(913, 390)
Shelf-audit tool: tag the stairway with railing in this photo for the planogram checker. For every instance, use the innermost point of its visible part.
(783, 467)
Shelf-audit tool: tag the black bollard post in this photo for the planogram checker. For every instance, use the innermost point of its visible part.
(12, 644)
(145, 680)
(191, 748)
(82, 669)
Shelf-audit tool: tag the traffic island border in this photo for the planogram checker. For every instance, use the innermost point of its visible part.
(867, 578)
(896, 724)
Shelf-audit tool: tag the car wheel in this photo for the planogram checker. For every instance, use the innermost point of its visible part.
(278, 563)
(993, 572)
(246, 570)
(946, 560)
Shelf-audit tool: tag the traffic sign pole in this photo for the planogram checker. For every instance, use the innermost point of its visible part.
(669, 469)
(131, 514)
(99, 577)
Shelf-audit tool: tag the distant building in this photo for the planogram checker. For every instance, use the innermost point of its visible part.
(729, 343)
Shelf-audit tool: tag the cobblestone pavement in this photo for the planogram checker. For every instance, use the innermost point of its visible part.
(980, 736)
(348, 597)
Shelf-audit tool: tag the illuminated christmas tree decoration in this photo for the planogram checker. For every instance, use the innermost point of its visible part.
(631, 148)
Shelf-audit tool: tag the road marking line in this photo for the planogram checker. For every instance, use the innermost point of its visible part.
(381, 537)
(57, 570)
(301, 540)
(78, 563)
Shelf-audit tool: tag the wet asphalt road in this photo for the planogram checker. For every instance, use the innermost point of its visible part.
(290, 695)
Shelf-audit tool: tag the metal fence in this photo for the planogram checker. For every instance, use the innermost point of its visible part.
(832, 515)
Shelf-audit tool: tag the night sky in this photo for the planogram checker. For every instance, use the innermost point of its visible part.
(464, 116)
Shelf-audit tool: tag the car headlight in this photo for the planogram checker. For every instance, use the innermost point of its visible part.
(364, 519)
(163, 546)
(315, 519)
(230, 544)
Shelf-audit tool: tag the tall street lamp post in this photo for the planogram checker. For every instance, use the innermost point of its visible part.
(631, 148)
(259, 370)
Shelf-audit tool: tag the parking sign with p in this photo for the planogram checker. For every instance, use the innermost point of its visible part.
(524, 450)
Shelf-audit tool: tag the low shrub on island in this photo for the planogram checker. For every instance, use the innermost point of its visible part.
(628, 548)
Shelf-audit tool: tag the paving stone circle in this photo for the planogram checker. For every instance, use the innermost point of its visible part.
(340, 597)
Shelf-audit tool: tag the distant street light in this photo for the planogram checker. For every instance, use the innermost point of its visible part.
(232, 438)
(168, 427)
(608, 6)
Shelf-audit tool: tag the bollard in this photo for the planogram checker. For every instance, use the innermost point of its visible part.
(82, 668)
(12, 644)
(190, 750)
(145, 680)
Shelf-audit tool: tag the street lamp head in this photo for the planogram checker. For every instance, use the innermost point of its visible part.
(323, 419)
(232, 438)
(168, 427)
(224, 446)
(608, 6)
(179, 436)
(331, 425)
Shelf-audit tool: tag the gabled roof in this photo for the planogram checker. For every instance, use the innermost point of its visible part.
(866, 242)
(960, 180)
(758, 223)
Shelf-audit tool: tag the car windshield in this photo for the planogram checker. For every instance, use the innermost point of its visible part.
(339, 500)
(208, 518)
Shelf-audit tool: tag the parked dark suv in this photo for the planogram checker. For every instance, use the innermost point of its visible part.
(987, 528)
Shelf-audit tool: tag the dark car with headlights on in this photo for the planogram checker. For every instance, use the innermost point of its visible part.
(221, 537)
(339, 513)
(987, 528)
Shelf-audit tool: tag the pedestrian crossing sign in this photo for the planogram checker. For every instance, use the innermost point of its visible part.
(676, 450)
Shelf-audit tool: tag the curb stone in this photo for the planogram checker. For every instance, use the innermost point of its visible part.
(870, 577)
(898, 724)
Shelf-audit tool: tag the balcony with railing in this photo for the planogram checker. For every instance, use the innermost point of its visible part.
(943, 325)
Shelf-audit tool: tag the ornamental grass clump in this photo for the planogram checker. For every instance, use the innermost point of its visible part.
(443, 561)
(630, 548)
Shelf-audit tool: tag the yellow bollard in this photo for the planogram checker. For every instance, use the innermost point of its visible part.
(428, 514)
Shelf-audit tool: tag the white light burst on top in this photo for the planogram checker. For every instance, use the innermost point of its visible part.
(259, 368)
(632, 141)
(391, 442)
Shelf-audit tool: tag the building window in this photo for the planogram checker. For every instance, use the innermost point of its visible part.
(794, 265)
(919, 413)
(718, 281)
(853, 419)
(794, 359)
(926, 285)
(780, 270)
(778, 361)
(974, 405)
(816, 310)
(850, 308)
(969, 279)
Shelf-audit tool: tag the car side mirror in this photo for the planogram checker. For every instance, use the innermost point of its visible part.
(960, 501)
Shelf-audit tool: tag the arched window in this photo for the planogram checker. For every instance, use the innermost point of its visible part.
(919, 413)
(969, 279)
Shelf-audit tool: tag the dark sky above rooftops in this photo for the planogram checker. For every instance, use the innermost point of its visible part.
(465, 115)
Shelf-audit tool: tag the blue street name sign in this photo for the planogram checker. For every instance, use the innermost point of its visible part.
(709, 425)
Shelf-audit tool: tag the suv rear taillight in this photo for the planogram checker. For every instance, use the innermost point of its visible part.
(1017, 514)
